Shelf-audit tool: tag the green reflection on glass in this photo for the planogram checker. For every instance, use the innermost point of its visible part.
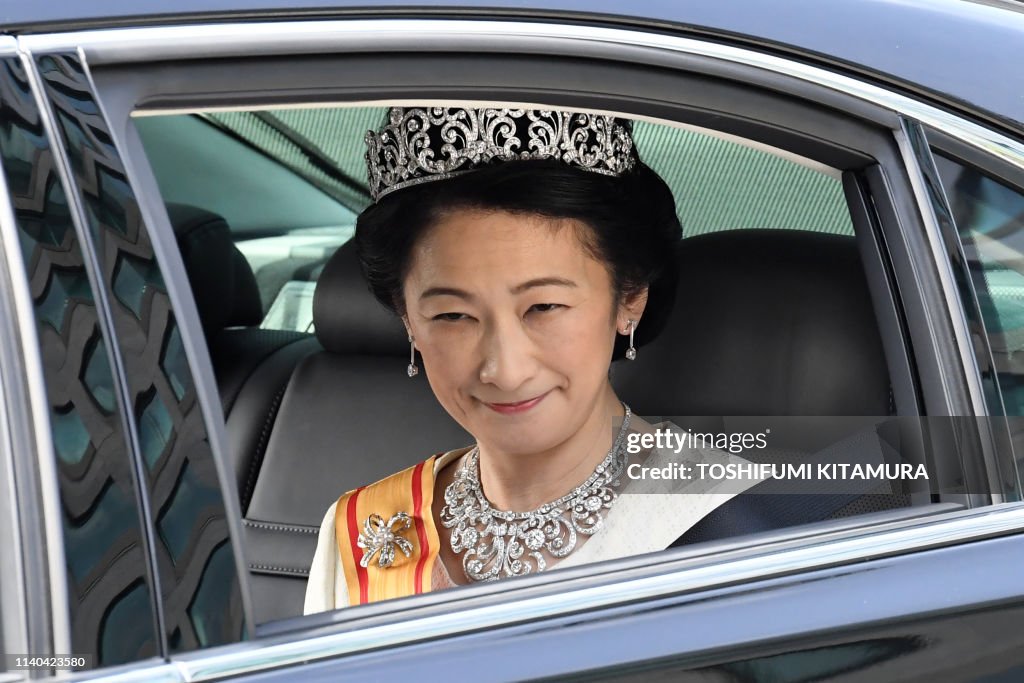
(990, 219)
(155, 427)
(70, 437)
(126, 632)
(62, 287)
(210, 611)
(88, 538)
(191, 505)
(132, 278)
(174, 364)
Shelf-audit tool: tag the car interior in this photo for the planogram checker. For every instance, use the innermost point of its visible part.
(772, 317)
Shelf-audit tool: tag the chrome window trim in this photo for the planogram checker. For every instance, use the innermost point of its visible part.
(15, 628)
(13, 598)
(204, 41)
(146, 671)
(961, 331)
(931, 198)
(105, 321)
(694, 572)
(39, 445)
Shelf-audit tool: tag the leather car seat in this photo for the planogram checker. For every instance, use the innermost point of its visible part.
(766, 322)
(242, 354)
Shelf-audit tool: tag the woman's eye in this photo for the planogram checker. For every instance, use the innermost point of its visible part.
(543, 308)
(449, 317)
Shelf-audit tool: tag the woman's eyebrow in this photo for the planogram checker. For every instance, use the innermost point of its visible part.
(446, 291)
(542, 282)
(518, 289)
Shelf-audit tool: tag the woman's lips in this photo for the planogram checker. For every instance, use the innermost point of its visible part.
(518, 407)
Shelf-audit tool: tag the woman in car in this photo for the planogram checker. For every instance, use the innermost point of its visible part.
(523, 249)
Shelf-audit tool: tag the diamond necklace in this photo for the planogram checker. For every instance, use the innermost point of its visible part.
(500, 543)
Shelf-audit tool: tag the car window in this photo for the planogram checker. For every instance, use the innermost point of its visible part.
(288, 200)
(143, 512)
(110, 592)
(732, 196)
(722, 183)
(989, 217)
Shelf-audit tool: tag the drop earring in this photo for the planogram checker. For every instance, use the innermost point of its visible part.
(631, 351)
(412, 370)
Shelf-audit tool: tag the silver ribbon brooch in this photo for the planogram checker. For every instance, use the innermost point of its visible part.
(383, 537)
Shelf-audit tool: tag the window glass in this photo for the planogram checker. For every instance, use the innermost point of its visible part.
(989, 216)
(202, 603)
(111, 596)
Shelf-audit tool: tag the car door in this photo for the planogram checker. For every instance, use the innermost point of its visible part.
(124, 536)
(868, 595)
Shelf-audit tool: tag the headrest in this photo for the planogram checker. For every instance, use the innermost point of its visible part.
(222, 281)
(766, 322)
(347, 317)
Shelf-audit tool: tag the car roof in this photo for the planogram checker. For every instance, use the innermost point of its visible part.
(959, 52)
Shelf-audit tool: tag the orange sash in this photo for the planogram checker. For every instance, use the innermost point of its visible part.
(410, 491)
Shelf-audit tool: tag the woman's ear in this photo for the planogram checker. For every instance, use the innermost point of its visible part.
(408, 328)
(631, 307)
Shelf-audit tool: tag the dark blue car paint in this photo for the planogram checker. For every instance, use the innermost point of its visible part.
(918, 43)
(874, 620)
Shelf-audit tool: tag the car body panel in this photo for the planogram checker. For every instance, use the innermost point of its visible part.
(875, 620)
(890, 39)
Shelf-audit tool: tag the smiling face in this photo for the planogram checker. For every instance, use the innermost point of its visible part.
(515, 321)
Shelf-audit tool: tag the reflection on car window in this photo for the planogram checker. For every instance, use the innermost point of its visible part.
(178, 471)
(990, 219)
(111, 598)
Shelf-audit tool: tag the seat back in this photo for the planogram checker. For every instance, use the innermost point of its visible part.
(242, 354)
(766, 322)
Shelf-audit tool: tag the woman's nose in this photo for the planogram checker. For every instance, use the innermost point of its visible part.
(508, 357)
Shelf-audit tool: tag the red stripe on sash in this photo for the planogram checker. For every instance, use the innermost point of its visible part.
(421, 530)
(357, 552)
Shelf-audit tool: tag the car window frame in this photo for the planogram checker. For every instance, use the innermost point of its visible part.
(1000, 475)
(238, 100)
(903, 206)
(906, 387)
(187, 321)
(36, 615)
(38, 576)
(933, 348)
(999, 168)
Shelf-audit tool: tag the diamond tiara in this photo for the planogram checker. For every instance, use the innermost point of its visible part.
(422, 144)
